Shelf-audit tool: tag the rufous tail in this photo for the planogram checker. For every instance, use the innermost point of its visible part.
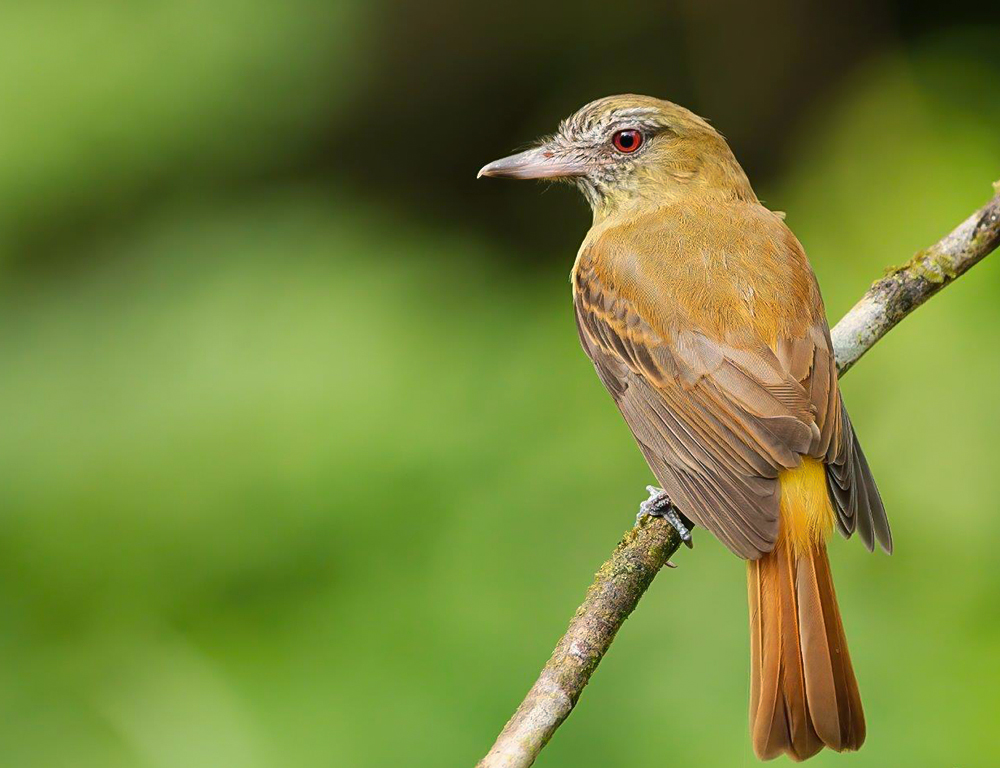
(803, 694)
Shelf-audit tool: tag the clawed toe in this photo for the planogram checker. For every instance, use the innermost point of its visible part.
(659, 505)
(653, 506)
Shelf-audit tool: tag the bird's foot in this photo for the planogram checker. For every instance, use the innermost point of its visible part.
(659, 505)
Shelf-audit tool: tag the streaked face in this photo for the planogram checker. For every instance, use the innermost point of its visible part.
(600, 148)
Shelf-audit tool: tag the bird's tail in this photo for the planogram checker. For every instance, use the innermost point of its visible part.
(803, 694)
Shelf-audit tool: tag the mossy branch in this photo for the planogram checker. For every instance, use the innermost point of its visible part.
(646, 548)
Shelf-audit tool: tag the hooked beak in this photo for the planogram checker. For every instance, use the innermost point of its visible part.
(539, 163)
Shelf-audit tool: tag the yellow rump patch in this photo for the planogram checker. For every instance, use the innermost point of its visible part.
(806, 512)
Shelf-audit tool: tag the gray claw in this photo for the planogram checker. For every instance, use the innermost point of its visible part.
(656, 502)
(659, 505)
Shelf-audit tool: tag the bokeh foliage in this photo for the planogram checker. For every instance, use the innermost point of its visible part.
(301, 463)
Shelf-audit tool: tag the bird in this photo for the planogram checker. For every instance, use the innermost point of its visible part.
(704, 320)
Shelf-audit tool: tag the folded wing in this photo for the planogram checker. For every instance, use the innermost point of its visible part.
(718, 420)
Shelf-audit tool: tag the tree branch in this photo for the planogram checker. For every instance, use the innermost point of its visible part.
(905, 288)
(624, 578)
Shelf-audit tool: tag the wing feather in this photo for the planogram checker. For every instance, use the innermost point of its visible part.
(718, 419)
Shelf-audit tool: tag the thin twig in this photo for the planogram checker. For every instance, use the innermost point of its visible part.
(905, 288)
(623, 579)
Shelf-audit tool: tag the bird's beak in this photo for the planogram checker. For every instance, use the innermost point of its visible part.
(543, 162)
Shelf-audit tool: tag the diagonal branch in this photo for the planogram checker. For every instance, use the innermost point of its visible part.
(637, 559)
(905, 288)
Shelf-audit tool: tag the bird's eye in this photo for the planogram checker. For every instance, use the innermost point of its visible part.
(627, 141)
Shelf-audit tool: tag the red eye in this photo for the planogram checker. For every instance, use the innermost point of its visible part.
(627, 141)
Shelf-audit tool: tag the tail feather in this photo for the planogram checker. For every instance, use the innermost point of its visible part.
(844, 725)
(803, 693)
(802, 733)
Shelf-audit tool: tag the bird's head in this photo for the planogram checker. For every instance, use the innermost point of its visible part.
(628, 151)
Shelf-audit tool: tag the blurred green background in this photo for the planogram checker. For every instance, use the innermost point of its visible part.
(300, 462)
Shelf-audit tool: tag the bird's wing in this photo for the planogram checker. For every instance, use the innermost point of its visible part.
(717, 422)
(811, 361)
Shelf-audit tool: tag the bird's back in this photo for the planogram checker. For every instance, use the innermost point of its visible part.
(730, 269)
